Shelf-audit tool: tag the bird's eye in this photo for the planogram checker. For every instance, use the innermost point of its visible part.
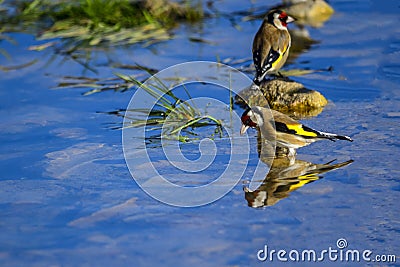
(283, 16)
(250, 123)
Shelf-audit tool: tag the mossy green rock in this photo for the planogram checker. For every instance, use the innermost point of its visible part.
(285, 96)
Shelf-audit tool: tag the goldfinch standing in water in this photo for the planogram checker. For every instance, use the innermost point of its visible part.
(271, 44)
(288, 133)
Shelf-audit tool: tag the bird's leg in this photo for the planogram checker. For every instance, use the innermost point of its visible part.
(292, 152)
(276, 75)
(281, 77)
(292, 160)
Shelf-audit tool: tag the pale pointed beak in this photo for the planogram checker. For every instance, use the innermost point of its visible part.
(243, 129)
(290, 19)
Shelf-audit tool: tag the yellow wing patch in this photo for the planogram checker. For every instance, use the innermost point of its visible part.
(279, 58)
(298, 128)
(303, 180)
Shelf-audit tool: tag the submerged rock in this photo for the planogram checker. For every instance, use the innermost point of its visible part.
(286, 96)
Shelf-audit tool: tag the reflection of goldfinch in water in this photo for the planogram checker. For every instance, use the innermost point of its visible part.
(285, 177)
(271, 44)
(288, 132)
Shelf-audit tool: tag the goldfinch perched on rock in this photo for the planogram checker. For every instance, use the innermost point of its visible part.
(271, 44)
(289, 133)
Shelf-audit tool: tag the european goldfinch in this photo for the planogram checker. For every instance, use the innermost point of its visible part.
(271, 44)
(289, 133)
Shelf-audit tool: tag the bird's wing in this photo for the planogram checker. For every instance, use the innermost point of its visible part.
(297, 129)
(281, 47)
(285, 124)
(261, 49)
(263, 65)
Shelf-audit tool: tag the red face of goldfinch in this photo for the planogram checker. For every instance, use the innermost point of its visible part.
(247, 122)
(279, 18)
